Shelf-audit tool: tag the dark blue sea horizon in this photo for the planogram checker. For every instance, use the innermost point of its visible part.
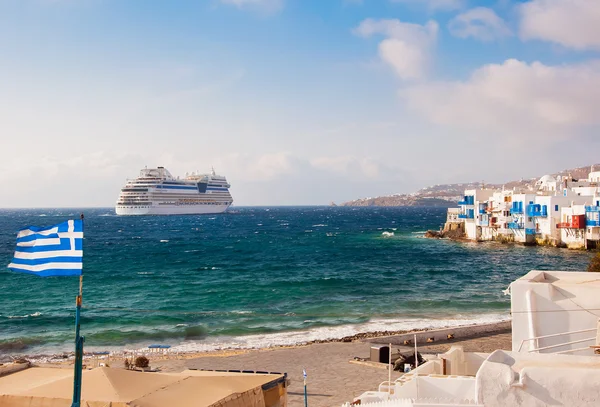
(258, 276)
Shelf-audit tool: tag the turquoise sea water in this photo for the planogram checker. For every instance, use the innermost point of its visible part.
(257, 277)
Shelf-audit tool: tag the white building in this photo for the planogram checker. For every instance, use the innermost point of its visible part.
(473, 211)
(572, 226)
(555, 330)
(521, 225)
(592, 219)
(494, 225)
(547, 215)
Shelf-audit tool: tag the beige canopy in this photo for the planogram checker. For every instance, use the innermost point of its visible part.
(45, 387)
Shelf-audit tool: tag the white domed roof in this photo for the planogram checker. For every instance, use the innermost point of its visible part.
(546, 179)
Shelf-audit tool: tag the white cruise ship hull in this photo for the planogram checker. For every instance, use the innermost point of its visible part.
(172, 210)
(157, 192)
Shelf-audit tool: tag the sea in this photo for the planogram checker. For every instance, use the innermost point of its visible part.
(257, 277)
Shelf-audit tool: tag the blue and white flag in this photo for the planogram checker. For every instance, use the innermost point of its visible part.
(51, 251)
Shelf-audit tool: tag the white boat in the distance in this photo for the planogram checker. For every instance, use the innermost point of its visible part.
(157, 192)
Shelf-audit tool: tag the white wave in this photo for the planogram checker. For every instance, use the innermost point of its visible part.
(164, 241)
(387, 234)
(319, 226)
(107, 214)
(142, 273)
(242, 312)
(35, 314)
(181, 325)
(43, 214)
(419, 232)
(333, 332)
(190, 251)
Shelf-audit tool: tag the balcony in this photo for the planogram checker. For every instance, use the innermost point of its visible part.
(516, 225)
(537, 210)
(592, 208)
(530, 232)
(469, 200)
(564, 225)
(466, 216)
(593, 223)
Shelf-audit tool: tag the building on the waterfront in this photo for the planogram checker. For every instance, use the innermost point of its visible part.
(592, 219)
(573, 226)
(473, 208)
(553, 361)
(541, 214)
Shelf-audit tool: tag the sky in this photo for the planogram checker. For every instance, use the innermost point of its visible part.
(296, 102)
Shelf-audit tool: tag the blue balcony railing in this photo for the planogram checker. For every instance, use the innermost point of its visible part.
(530, 231)
(592, 208)
(593, 222)
(466, 216)
(468, 200)
(516, 225)
(482, 212)
(537, 210)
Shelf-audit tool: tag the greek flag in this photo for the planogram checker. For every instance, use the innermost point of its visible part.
(51, 251)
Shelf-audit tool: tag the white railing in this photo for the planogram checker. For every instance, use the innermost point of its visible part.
(535, 338)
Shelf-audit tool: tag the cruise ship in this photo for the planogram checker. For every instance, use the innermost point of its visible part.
(156, 192)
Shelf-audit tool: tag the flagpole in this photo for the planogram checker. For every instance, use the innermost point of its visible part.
(78, 343)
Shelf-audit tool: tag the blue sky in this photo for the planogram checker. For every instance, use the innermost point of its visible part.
(295, 101)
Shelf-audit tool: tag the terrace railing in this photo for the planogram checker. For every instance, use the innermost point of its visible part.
(559, 345)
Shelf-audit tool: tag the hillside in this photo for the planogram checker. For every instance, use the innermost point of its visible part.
(447, 195)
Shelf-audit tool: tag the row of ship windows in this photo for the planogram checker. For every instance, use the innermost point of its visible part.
(176, 204)
(193, 203)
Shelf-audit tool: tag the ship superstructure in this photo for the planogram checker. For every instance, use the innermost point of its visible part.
(156, 192)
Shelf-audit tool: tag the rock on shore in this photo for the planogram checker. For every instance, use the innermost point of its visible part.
(455, 231)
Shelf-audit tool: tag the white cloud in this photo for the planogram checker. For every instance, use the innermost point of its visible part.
(407, 46)
(348, 165)
(571, 23)
(269, 6)
(515, 99)
(436, 4)
(480, 23)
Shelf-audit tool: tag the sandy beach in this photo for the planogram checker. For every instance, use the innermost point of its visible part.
(332, 377)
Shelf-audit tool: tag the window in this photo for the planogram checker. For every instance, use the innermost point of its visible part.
(556, 207)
